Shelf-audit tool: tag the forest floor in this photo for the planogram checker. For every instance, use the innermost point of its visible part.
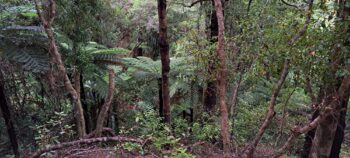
(199, 150)
(203, 150)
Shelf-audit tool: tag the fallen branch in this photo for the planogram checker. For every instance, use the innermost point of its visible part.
(85, 141)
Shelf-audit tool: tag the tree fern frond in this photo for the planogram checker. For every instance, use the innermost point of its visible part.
(25, 45)
(31, 58)
(31, 29)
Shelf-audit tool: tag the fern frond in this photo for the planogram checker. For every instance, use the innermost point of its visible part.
(25, 45)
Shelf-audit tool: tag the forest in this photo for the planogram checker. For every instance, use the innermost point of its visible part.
(174, 78)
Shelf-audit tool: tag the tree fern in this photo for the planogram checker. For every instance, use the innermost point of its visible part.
(25, 45)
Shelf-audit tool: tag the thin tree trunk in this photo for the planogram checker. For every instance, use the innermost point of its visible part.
(234, 99)
(210, 95)
(284, 115)
(56, 57)
(165, 58)
(101, 119)
(85, 105)
(271, 113)
(222, 76)
(6, 114)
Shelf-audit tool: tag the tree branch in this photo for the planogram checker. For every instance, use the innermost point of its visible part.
(288, 4)
(192, 4)
(306, 25)
(57, 59)
(271, 112)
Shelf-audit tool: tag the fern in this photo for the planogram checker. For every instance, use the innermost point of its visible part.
(25, 45)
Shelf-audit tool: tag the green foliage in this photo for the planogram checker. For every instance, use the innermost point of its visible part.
(207, 132)
(20, 14)
(132, 147)
(46, 136)
(181, 153)
(152, 127)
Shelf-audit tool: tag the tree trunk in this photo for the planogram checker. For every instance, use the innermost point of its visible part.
(57, 59)
(339, 133)
(308, 137)
(222, 76)
(324, 91)
(7, 117)
(85, 105)
(165, 58)
(101, 119)
(332, 109)
(326, 141)
(210, 91)
(330, 133)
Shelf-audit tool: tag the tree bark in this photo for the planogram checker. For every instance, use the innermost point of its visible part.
(271, 113)
(165, 58)
(85, 105)
(101, 119)
(57, 59)
(6, 114)
(330, 133)
(222, 76)
(332, 109)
